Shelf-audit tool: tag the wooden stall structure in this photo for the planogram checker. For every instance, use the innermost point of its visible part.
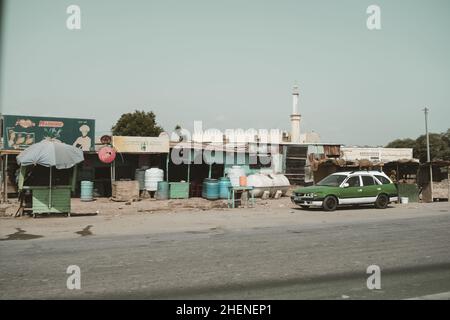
(295, 158)
(8, 167)
(324, 167)
(437, 188)
(404, 173)
(135, 154)
(48, 155)
(301, 161)
(19, 132)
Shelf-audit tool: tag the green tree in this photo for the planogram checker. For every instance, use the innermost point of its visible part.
(138, 123)
(446, 137)
(402, 143)
(439, 146)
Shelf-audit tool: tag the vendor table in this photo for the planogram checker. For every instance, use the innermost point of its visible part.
(44, 201)
(232, 191)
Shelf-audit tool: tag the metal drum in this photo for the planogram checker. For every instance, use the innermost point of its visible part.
(140, 176)
(87, 188)
(224, 183)
(162, 193)
(210, 189)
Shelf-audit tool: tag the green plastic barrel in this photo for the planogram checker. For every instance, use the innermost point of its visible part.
(87, 188)
(224, 184)
(210, 189)
(162, 192)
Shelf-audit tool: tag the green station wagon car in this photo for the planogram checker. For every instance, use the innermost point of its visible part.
(348, 188)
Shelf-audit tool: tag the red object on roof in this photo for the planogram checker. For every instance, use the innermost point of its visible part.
(107, 154)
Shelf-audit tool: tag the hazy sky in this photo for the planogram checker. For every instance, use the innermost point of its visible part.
(232, 64)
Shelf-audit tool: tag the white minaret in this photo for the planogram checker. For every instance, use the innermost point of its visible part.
(295, 116)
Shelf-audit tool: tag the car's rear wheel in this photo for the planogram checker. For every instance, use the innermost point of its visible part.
(382, 201)
(330, 203)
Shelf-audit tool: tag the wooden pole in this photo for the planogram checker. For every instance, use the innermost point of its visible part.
(22, 174)
(2, 178)
(6, 179)
(224, 160)
(74, 177)
(189, 166)
(50, 191)
(189, 172)
(113, 171)
(2, 167)
(431, 180)
(429, 160)
(113, 176)
(398, 173)
(448, 179)
(167, 167)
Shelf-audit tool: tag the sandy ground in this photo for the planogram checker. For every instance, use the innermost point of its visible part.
(105, 217)
(105, 206)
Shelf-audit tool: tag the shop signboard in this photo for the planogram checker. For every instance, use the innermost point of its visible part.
(377, 154)
(128, 144)
(20, 131)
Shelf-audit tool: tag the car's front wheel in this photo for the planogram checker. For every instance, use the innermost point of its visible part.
(330, 203)
(382, 201)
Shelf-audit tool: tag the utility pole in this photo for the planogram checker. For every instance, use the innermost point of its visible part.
(428, 151)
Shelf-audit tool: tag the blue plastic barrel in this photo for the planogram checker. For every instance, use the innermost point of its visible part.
(210, 189)
(87, 188)
(224, 183)
(162, 192)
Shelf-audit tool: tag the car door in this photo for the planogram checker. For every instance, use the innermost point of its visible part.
(387, 187)
(370, 189)
(351, 190)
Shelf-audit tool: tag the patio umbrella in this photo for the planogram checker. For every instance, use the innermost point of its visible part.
(50, 154)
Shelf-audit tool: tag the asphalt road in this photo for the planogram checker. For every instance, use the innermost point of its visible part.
(295, 261)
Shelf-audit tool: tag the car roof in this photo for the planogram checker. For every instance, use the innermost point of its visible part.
(360, 172)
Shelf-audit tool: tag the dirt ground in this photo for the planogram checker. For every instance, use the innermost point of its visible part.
(106, 206)
(104, 217)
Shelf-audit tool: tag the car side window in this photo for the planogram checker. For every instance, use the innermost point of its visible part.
(383, 180)
(353, 181)
(368, 181)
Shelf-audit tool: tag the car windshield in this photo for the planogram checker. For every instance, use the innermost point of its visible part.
(334, 180)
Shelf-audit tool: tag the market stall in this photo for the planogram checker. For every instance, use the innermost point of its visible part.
(438, 187)
(53, 155)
